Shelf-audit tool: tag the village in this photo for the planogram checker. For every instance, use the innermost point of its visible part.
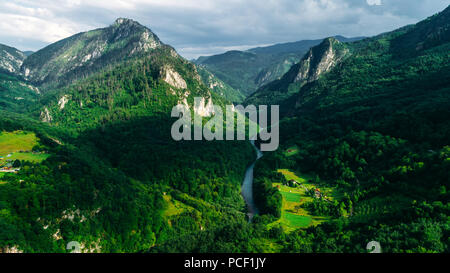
(9, 165)
(313, 192)
(298, 190)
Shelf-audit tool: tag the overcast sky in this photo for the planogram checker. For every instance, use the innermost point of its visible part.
(205, 27)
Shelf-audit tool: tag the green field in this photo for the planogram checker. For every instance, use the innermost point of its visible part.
(306, 181)
(11, 142)
(174, 207)
(293, 216)
(35, 158)
(18, 145)
(290, 196)
(291, 175)
(296, 220)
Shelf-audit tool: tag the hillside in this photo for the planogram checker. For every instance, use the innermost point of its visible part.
(218, 86)
(18, 96)
(113, 172)
(374, 129)
(87, 154)
(142, 87)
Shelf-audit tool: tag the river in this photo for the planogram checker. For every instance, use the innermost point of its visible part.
(247, 185)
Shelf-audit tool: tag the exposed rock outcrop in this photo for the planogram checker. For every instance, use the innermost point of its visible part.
(46, 116)
(173, 78)
(62, 102)
(319, 60)
(10, 249)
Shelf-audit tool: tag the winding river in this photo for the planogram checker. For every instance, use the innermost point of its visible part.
(247, 185)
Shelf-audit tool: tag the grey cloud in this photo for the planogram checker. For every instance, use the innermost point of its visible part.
(200, 27)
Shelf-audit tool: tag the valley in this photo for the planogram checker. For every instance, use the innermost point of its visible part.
(87, 154)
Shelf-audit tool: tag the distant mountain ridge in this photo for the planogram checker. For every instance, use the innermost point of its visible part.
(246, 71)
(298, 45)
(319, 60)
(11, 59)
(364, 125)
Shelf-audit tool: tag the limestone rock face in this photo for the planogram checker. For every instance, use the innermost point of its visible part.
(62, 102)
(319, 60)
(173, 78)
(46, 116)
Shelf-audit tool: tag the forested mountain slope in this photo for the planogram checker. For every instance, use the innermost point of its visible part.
(363, 154)
(373, 134)
(16, 95)
(113, 178)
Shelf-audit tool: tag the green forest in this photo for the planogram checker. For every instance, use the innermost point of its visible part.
(86, 152)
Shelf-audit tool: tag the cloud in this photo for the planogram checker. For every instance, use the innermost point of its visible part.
(374, 2)
(200, 27)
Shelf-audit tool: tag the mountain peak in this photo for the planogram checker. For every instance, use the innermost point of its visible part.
(125, 22)
(70, 58)
(319, 59)
(330, 41)
(121, 20)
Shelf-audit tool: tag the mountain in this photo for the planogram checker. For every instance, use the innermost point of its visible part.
(379, 59)
(245, 71)
(89, 77)
(146, 86)
(369, 120)
(398, 62)
(319, 60)
(363, 153)
(85, 53)
(16, 95)
(11, 59)
(99, 159)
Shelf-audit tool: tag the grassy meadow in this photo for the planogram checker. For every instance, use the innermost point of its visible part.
(18, 145)
(293, 215)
